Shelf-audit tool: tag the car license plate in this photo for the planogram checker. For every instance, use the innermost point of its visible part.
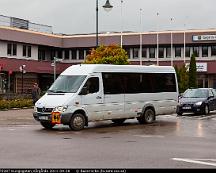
(186, 107)
(43, 117)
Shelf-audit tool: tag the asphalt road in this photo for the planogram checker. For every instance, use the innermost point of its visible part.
(170, 142)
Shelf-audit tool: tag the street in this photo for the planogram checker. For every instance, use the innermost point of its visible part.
(170, 142)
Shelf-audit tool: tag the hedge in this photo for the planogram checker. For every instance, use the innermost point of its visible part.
(16, 103)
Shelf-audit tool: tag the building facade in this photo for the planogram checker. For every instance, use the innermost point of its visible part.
(26, 56)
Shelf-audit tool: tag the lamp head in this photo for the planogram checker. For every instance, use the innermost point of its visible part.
(107, 7)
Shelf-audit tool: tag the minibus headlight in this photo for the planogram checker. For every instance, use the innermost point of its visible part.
(35, 109)
(60, 109)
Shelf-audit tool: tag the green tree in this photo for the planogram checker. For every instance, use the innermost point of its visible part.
(192, 72)
(112, 54)
(183, 78)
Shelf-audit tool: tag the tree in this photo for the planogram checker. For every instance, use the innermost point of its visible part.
(183, 78)
(112, 54)
(192, 72)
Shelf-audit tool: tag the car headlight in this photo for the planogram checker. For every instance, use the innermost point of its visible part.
(198, 103)
(60, 109)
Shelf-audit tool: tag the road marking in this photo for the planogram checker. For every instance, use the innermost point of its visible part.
(150, 136)
(197, 161)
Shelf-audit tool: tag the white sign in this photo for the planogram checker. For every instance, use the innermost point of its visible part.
(201, 66)
(204, 37)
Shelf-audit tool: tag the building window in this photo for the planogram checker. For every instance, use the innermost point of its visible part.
(213, 50)
(161, 52)
(128, 52)
(196, 51)
(41, 54)
(11, 49)
(66, 54)
(74, 54)
(177, 52)
(168, 52)
(151, 52)
(26, 51)
(135, 53)
(204, 51)
(144, 52)
(81, 54)
(187, 51)
(14, 49)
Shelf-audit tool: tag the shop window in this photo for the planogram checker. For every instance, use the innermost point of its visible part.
(135, 53)
(168, 52)
(177, 52)
(196, 51)
(187, 51)
(74, 54)
(151, 52)
(66, 54)
(213, 50)
(204, 51)
(161, 52)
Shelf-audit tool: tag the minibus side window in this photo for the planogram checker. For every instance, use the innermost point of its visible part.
(92, 85)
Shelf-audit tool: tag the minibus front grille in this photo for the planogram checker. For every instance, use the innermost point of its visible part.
(44, 109)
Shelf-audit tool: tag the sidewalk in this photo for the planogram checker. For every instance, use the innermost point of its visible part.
(17, 117)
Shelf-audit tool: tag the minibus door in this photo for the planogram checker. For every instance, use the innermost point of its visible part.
(92, 97)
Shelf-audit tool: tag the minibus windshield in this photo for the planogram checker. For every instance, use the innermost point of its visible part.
(67, 84)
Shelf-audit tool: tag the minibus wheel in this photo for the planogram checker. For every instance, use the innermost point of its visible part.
(77, 122)
(147, 117)
(47, 125)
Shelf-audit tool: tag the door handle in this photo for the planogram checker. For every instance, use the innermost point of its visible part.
(98, 97)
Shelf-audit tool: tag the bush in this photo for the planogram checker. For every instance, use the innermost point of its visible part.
(16, 103)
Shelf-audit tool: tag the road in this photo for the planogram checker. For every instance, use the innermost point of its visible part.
(170, 142)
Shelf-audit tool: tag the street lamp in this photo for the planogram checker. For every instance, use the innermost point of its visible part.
(107, 7)
(22, 70)
(54, 66)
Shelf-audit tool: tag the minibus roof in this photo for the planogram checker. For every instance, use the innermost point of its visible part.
(85, 69)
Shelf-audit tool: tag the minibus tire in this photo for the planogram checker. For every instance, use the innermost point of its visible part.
(47, 125)
(77, 122)
(118, 121)
(147, 117)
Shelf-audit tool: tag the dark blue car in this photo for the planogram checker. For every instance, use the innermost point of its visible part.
(198, 101)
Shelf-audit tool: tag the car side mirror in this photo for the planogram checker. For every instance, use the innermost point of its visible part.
(84, 91)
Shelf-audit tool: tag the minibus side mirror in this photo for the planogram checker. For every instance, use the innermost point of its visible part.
(84, 91)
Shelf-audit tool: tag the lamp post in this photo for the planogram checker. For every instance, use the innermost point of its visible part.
(171, 37)
(157, 54)
(54, 66)
(22, 70)
(121, 24)
(107, 7)
(140, 51)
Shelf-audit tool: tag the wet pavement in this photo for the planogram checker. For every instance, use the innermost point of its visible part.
(170, 142)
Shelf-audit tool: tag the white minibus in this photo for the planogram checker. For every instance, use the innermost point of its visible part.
(94, 92)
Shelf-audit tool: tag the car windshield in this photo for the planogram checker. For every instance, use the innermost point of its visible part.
(67, 84)
(196, 93)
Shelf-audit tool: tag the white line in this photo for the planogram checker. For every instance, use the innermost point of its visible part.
(196, 161)
(150, 136)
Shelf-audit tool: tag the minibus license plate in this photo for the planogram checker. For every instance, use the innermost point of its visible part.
(43, 117)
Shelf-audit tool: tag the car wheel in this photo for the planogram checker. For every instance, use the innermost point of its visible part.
(119, 121)
(179, 113)
(77, 122)
(148, 117)
(47, 125)
(206, 110)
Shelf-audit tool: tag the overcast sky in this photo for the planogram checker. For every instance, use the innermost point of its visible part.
(79, 16)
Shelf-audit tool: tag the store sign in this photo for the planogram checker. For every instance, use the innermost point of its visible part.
(201, 67)
(204, 37)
